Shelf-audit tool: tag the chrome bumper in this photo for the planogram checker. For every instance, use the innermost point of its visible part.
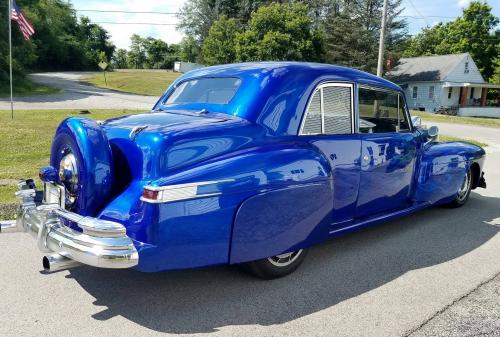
(101, 243)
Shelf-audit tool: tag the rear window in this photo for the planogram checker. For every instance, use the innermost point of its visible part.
(205, 90)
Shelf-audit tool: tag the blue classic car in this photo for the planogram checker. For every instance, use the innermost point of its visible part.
(245, 164)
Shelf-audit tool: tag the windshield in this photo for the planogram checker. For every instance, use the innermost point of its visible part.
(205, 90)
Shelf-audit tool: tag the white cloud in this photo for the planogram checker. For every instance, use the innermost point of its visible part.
(120, 33)
(463, 3)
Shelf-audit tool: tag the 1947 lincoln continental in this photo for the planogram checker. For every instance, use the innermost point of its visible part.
(247, 164)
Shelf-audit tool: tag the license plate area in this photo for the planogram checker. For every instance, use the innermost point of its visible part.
(54, 194)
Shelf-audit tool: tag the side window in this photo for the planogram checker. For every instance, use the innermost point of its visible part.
(381, 111)
(431, 92)
(337, 110)
(329, 111)
(312, 124)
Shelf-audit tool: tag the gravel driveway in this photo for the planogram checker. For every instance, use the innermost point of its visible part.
(434, 273)
(77, 95)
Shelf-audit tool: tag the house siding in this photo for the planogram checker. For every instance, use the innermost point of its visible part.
(458, 74)
(423, 100)
(453, 100)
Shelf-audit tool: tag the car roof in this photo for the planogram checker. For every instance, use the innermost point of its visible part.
(251, 68)
(272, 94)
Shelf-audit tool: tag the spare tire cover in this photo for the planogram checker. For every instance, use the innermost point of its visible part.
(86, 140)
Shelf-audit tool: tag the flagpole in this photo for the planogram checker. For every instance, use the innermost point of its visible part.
(10, 59)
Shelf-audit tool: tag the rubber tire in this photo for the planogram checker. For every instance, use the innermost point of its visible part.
(88, 142)
(266, 270)
(457, 202)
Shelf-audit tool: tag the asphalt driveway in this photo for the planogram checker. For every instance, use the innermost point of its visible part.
(429, 274)
(76, 95)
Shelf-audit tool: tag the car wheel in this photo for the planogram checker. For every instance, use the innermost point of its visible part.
(276, 266)
(463, 192)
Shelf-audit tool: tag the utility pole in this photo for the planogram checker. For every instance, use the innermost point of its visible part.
(380, 64)
(10, 59)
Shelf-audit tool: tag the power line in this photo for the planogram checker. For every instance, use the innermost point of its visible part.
(136, 23)
(416, 10)
(126, 12)
(428, 16)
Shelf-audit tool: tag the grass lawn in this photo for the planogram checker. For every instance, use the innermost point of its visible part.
(143, 82)
(26, 88)
(482, 121)
(445, 138)
(25, 146)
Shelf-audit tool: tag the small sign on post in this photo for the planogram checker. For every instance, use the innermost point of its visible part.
(103, 65)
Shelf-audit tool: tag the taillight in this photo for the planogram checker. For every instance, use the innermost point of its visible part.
(170, 193)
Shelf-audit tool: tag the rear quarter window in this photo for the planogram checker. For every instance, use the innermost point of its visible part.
(205, 90)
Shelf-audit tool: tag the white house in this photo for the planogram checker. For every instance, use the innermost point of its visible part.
(452, 81)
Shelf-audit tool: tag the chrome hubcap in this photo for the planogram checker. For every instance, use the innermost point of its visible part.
(464, 189)
(284, 260)
(68, 175)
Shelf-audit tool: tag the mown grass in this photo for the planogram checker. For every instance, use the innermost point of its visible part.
(481, 121)
(142, 82)
(445, 138)
(26, 88)
(25, 145)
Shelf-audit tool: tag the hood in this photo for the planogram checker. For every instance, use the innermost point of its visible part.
(156, 144)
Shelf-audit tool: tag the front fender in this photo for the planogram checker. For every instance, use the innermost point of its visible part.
(442, 169)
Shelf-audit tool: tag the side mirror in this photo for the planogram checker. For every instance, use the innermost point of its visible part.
(433, 132)
(416, 121)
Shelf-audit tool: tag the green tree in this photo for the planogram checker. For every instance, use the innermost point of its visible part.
(353, 28)
(120, 60)
(189, 50)
(157, 53)
(474, 32)
(495, 78)
(280, 32)
(350, 44)
(197, 16)
(61, 41)
(137, 53)
(219, 46)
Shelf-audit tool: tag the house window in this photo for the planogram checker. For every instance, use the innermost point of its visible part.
(466, 68)
(431, 92)
(450, 91)
(471, 93)
(414, 93)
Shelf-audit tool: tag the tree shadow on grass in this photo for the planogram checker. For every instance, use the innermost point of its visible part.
(204, 300)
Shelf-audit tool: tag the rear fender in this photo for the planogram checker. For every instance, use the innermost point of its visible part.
(208, 231)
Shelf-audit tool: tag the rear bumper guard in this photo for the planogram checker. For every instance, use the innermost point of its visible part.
(101, 243)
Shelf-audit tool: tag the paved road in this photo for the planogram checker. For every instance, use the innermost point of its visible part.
(490, 136)
(76, 95)
(428, 274)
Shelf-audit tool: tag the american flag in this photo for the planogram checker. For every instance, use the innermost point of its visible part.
(24, 25)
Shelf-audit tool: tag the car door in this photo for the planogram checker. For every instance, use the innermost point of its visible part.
(329, 126)
(388, 152)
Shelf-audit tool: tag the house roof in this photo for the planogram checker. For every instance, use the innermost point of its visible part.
(425, 68)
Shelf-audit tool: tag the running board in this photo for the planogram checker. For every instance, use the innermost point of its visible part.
(381, 218)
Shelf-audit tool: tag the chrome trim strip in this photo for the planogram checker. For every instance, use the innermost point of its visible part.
(320, 88)
(8, 226)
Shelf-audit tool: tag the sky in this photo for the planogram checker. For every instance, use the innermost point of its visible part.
(418, 13)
